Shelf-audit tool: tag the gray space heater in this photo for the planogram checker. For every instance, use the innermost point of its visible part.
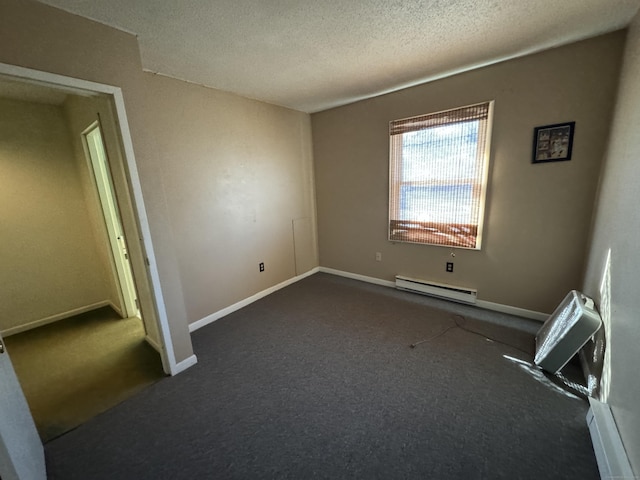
(566, 331)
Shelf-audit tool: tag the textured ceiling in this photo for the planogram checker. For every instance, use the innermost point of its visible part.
(311, 55)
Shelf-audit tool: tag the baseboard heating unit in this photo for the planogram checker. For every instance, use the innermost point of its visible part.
(612, 458)
(440, 290)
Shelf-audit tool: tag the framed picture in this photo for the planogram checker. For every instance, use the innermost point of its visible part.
(553, 143)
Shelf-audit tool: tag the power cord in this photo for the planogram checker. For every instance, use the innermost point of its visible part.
(559, 379)
(414, 345)
(462, 327)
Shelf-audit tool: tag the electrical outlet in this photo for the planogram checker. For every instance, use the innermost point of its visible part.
(449, 266)
(261, 266)
(378, 257)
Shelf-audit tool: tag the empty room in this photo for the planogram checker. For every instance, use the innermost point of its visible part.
(354, 231)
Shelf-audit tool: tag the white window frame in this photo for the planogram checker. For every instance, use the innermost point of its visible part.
(414, 231)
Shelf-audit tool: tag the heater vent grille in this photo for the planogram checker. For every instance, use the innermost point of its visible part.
(441, 290)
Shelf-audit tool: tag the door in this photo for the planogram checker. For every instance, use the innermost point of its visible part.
(21, 451)
(98, 161)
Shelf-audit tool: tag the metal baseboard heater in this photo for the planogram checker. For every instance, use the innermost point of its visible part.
(440, 290)
(611, 456)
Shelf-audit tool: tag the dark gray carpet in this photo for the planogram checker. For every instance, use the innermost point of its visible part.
(318, 381)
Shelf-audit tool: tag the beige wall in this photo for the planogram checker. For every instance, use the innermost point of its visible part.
(190, 152)
(236, 173)
(616, 230)
(219, 201)
(537, 216)
(50, 262)
(37, 36)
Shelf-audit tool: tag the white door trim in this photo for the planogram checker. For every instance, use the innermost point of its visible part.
(97, 162)
(21, 451)
(85, 87)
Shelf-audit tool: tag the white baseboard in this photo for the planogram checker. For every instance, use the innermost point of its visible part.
(247, 301)
(520, 312)
(496, 307)
(612, 459)
(357, 276)
(184, 364)
(53, 318)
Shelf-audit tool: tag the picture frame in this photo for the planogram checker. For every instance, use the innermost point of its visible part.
(553, 143)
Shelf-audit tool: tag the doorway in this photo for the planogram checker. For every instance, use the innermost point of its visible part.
(71, 365)
(97, 160)
(131, 202)
(20, 448)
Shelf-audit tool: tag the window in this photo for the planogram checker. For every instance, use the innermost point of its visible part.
(438, 175)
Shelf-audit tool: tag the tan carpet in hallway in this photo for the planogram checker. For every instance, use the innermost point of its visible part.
(73, 369)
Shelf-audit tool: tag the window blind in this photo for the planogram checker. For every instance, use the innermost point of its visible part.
(438, 174)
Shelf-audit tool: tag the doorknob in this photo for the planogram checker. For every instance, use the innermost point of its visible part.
(1, 346)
